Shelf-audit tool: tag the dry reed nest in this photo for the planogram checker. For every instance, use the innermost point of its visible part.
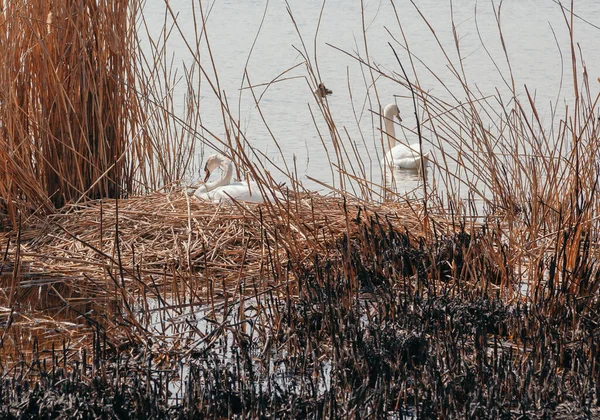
(100, 266)
(101, 261)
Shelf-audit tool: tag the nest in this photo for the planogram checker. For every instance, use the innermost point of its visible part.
(102, 261)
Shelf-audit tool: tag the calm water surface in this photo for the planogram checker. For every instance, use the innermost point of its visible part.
(534, 31)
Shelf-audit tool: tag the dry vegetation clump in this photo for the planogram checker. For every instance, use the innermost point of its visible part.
(106, 258)
(342, 332)
(71, 123)
(116, 303)
(104, 271)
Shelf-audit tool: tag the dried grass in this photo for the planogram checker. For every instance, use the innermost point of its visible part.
(105, 258)
(101, 267)
(70, 118)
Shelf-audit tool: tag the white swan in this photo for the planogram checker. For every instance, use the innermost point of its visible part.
(400, 155)
(223, 189)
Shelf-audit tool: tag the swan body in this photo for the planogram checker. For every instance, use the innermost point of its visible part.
(241, 191)
(223, 189)
(400, 155)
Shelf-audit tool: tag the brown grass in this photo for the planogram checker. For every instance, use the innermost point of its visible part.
(75, 133)
(104, 261)
(69, 112)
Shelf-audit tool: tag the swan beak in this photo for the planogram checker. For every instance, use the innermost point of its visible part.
(207, 174)
(399, 117)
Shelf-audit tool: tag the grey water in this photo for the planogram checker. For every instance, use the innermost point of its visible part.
(260, 37)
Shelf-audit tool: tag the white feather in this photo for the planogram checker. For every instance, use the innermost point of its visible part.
(223, 189)
(400, 156)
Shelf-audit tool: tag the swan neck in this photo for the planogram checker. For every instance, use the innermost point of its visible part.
(225, 179)
(390, 131)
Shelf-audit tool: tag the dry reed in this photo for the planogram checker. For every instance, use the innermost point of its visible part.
(429, 304)
(71, 124)
(169, 246)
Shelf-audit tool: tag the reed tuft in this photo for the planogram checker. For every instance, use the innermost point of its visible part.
(68, 107)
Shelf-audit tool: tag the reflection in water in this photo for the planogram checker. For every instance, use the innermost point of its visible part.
(405, 181)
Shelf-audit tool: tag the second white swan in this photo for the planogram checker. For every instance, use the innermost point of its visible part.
(223, 189)
(400, 155)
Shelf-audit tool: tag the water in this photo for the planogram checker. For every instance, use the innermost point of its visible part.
(535, 34)
(173, 326)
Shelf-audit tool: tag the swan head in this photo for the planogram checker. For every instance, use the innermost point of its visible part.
(391, 111)
(212, 163)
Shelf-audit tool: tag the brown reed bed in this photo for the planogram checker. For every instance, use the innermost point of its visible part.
(72, 126)
(98, 268)
(96, 254)
(378, 326)
(156, 305)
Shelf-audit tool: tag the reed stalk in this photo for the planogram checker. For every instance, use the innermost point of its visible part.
(487, 309)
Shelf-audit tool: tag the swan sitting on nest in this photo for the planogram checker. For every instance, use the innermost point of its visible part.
(400, 155)
(223, 189)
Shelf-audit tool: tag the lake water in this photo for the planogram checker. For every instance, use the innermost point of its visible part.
(535, 34)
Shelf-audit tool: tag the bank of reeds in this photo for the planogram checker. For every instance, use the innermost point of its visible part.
(71, 122)
(379, 323)
(310, 306)
(109, 256)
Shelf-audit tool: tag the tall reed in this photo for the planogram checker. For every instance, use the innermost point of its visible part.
(477, 309)
(68, 112)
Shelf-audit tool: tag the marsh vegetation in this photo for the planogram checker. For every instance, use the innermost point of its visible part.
(123, 296)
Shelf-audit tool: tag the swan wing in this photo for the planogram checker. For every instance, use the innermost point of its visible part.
(406, 157)
(202, 193)
(241, 191)
(250, 192)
